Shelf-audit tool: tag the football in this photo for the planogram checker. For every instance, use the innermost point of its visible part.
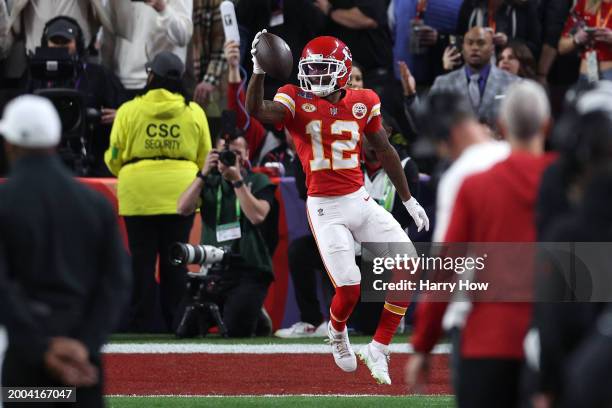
(274, 56)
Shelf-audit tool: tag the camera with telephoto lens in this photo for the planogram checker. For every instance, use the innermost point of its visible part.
(200, 312)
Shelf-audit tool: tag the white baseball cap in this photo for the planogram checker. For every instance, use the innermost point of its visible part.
(31, 121)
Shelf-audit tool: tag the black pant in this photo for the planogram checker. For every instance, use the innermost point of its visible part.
(489, 383)
(241, 306)
(150, 236)
(17, 373)
(305, 265)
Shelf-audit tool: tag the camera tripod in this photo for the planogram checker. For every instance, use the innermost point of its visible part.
(200, 313)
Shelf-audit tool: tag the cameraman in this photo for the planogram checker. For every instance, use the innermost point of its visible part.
(236, 202)
(99, 86)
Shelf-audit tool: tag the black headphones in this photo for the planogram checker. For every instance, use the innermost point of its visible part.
(80, 40)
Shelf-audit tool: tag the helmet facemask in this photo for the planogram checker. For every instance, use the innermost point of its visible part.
(320, 75)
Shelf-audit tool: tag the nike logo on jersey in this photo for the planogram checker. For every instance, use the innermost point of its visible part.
(367, 198)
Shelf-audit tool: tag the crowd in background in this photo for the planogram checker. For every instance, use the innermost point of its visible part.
(442, 68)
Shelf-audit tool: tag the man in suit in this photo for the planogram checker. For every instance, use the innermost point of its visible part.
(64, 272)
(481, 82)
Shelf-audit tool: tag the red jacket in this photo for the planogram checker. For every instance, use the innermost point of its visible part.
(497, 205)
(256, 134)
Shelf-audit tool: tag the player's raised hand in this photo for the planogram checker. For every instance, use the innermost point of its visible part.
(408, 81)
(256, 67)
(417, 373)
(417, 213)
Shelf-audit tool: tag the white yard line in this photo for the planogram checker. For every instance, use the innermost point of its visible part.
(178, 348)
(268, 395)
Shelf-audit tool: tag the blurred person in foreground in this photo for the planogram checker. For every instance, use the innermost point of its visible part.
(574, 337)
(467, 148)
(237, 205)
(158, 142)
(497, 205)
(64, 273)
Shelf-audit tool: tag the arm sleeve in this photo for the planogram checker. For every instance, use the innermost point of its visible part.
(534, 29)
(176, 21)
(375, 9)
(113, 288)
(24, 332)
(427, 325)
(555, 16)
(113, 157)
(374, 122)
(286, 96)
(205, 144)
(458, 228)
(217, 64)
(570, 22)
(411, 170)
(255, 134)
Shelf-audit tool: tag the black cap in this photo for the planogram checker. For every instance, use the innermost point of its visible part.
(440, 112)
(62, 28)
(166, 65)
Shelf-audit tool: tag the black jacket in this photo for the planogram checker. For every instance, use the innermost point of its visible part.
(63, 268)
(519, 20)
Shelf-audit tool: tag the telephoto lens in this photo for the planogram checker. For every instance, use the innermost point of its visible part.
(183, 254)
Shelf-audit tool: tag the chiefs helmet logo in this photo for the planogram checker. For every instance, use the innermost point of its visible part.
(359, 110)
(347, 54)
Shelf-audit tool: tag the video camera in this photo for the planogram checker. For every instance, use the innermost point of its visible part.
(200, 311)
(53, 73)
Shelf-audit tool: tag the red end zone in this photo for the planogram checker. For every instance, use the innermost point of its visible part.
(255, 374)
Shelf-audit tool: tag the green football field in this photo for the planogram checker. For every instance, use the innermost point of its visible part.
(281, 402)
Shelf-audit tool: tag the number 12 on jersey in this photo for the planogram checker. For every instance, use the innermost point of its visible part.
(338, 147)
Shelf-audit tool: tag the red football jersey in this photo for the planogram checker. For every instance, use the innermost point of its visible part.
(328, 136)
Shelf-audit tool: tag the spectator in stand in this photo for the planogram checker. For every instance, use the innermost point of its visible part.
(296, 21)
(158, 142)
(508, 19)
(517, 59)
(588, 30)
(100, 87)
(22, 27)
(207, 49)
(277, 150)
(497, 205)
(157, 25)
(560, 71)
(422, 50)
(482, 83)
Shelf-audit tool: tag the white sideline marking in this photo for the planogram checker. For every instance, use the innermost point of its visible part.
(269, 395)
(177, 348)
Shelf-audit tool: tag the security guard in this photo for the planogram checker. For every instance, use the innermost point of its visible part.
(64, 272)
(158, 142)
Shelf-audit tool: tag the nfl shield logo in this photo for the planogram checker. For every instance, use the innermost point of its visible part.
(333, 111)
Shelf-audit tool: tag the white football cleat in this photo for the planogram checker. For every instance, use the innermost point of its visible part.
(301, 330)
(341, 349)
(377, 361)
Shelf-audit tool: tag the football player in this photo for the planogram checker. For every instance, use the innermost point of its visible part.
(326, 120)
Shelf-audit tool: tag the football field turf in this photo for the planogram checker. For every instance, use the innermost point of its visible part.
(424, 401)
(162, 371)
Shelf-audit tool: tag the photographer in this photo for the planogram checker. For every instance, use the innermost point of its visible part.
(236, 204)
(101, 88)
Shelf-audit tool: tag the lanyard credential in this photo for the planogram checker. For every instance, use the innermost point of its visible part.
(219, 196)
